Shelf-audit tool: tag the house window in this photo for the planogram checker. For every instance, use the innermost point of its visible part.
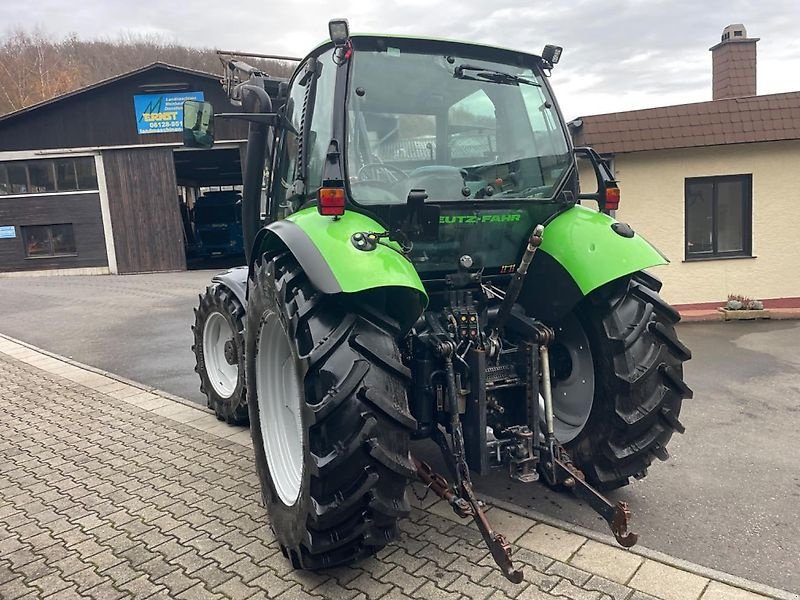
(42, 176)
(46, 176)
(17, 178)
(66, 178)
(48, 240)
(718, 216)
(87, 178)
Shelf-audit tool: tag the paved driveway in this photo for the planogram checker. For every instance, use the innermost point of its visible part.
(136, 326)
(110, 492)
(727, 498)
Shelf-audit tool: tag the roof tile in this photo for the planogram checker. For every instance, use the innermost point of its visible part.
(731, 120)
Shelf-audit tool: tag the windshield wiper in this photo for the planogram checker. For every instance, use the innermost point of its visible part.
(492, 75)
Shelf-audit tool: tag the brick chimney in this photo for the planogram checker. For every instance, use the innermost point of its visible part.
(734, 64)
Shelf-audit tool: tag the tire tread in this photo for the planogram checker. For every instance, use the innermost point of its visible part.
(218, 298)
(640, 373)
(358, 431)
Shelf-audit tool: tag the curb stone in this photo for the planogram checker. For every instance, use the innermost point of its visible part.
(714, 315)
(654, 555)
(129, 382)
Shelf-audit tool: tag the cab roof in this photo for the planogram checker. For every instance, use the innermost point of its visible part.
(421, 41)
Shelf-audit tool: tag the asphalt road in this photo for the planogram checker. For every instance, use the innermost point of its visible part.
(728, 497)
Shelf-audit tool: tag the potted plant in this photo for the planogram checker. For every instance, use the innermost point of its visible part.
(739, 307)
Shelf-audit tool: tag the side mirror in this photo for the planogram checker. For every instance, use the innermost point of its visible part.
(198, 124)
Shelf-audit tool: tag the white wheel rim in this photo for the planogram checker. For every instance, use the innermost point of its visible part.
(279, 408)
(222, 375)
(573, 390)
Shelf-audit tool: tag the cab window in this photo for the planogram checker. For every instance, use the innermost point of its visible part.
(321, 128)
(287, 172)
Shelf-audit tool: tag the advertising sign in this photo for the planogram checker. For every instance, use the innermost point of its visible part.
(162, 113)
(7, 232)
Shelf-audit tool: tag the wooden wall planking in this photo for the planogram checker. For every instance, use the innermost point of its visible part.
(145, 217)
(80, 209)
(105, 116)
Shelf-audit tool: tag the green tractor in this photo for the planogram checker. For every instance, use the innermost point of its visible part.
(424, 269)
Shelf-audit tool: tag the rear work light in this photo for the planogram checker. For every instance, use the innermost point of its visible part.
(612, 198)
(331, 202)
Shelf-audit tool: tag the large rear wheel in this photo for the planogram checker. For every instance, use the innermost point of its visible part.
(618, 381)
(329, 419)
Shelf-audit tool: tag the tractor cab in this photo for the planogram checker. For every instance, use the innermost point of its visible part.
(470, 134)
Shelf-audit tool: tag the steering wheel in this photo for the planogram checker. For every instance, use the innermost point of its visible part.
(371, 171)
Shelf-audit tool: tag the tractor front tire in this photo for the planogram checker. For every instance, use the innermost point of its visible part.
(329, 418)
(219, 353)
(639, 388)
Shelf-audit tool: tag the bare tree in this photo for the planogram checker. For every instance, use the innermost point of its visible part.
(35, 67)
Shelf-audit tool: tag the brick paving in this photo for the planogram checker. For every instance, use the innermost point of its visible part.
(111, 491)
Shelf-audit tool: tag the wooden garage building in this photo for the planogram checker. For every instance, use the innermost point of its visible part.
(89, 180)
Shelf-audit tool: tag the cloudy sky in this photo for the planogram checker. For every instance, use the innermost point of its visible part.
(618, 54)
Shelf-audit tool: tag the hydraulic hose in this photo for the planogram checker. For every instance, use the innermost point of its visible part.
(515, 285)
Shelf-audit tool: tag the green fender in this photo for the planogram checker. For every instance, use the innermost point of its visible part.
(584, 243)
(323, 247)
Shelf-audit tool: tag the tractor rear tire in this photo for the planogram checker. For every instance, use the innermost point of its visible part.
(219, 353)
(329, 418)
(639, 387)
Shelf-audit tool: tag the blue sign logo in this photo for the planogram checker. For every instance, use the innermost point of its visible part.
(162, 113)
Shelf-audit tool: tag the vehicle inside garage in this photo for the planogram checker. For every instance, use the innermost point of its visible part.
(209, 194)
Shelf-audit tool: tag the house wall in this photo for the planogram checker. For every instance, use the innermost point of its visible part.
(652, 186)
(80, 209)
